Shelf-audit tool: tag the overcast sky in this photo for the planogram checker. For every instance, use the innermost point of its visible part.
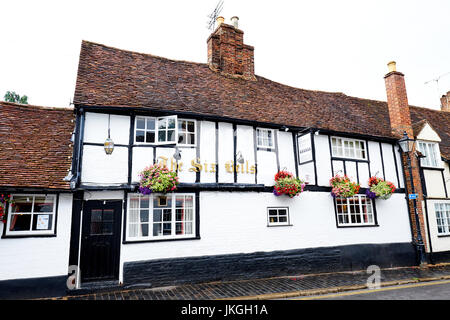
(327, 45)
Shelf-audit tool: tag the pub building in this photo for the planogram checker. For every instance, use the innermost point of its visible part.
(77, 218)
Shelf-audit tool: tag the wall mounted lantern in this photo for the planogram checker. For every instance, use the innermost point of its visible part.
(109, 144)
(240, 158)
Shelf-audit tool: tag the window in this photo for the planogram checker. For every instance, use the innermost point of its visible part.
(155, 130)
(348, 148)
(265, 138)
(31, 215)
(278, 216)
(430, 151)
(186, 132)
(443, 218)
(155, 216)
(356, 210)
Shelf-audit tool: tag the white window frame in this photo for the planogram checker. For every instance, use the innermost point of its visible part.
(156, 130)
(334, 148)
(442, 211)
(348, 213)
(173, 221)
(431, 151)
(32, 213)
(278, 223)
(258, 130)
(187, 132)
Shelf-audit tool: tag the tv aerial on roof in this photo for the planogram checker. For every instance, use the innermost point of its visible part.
(213, 16)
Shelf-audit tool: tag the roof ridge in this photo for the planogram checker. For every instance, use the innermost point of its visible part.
(142, 53)
(30, 106)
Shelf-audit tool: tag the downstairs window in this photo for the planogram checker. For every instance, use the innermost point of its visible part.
(354, 211)
(156, 216)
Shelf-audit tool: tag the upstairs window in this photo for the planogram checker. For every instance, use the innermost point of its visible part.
(186, 132)
(431, 153)
(162, 130)
(265, 138)
(348, 148)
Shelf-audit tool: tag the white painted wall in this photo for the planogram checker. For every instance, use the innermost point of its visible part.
(376, 166)
(208, 149)
(100, 168)
(96, 128)
(286, 151)
(244, 144)
(236, 222)
(323, 164)
(428, 134)
(226, 151)
(39, 257)
(142, 158)
(447, 177)
(434, 183)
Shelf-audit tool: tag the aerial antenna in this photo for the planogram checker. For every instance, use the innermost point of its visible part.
(437, 81)
(213, 16)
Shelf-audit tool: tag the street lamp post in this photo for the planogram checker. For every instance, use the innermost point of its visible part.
(406, 145)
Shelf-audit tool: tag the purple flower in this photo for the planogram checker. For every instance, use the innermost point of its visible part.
(144, 190)
(276, 193)
(370, 194)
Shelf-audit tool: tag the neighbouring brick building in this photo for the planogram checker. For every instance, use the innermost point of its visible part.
(226, 132)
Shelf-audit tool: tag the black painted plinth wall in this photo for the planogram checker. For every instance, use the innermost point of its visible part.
(267, 264)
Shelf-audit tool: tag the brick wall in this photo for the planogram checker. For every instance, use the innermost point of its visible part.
(445, 102)
(228, 54)
(400, 119)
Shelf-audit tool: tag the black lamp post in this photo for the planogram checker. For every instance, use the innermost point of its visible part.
(406, 145)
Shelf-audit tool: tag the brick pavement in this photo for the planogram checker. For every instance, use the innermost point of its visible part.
(272, 288)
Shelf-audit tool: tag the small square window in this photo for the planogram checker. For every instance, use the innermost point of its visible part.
(277, 216)
(265, 138)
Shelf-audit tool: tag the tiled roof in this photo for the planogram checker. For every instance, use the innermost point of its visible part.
(35, 150)
(439, 121)
(112, 77)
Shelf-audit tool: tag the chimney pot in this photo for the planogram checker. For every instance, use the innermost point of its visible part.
(235, 22)
(220, 20)
(392, 66)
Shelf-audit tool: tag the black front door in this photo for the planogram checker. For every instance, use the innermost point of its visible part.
(100, 240)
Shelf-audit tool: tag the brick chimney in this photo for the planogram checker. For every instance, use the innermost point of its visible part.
(400, 119)
(227, 52)
(445, 102)
(397, 101)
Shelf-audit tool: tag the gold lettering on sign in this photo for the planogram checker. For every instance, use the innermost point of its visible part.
(197, 166)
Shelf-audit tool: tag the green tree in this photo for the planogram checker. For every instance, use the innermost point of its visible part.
(11, 96)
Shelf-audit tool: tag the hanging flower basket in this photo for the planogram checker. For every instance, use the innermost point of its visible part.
(4, 199)
(286, 183)
(343, 187)
(157, 178)
(378, 188)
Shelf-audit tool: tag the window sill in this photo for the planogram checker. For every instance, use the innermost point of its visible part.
(279, 225)
(10, 236)
(159, 240)
(443, 235)
(432, 168)
(349, 159)
(359, 226)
